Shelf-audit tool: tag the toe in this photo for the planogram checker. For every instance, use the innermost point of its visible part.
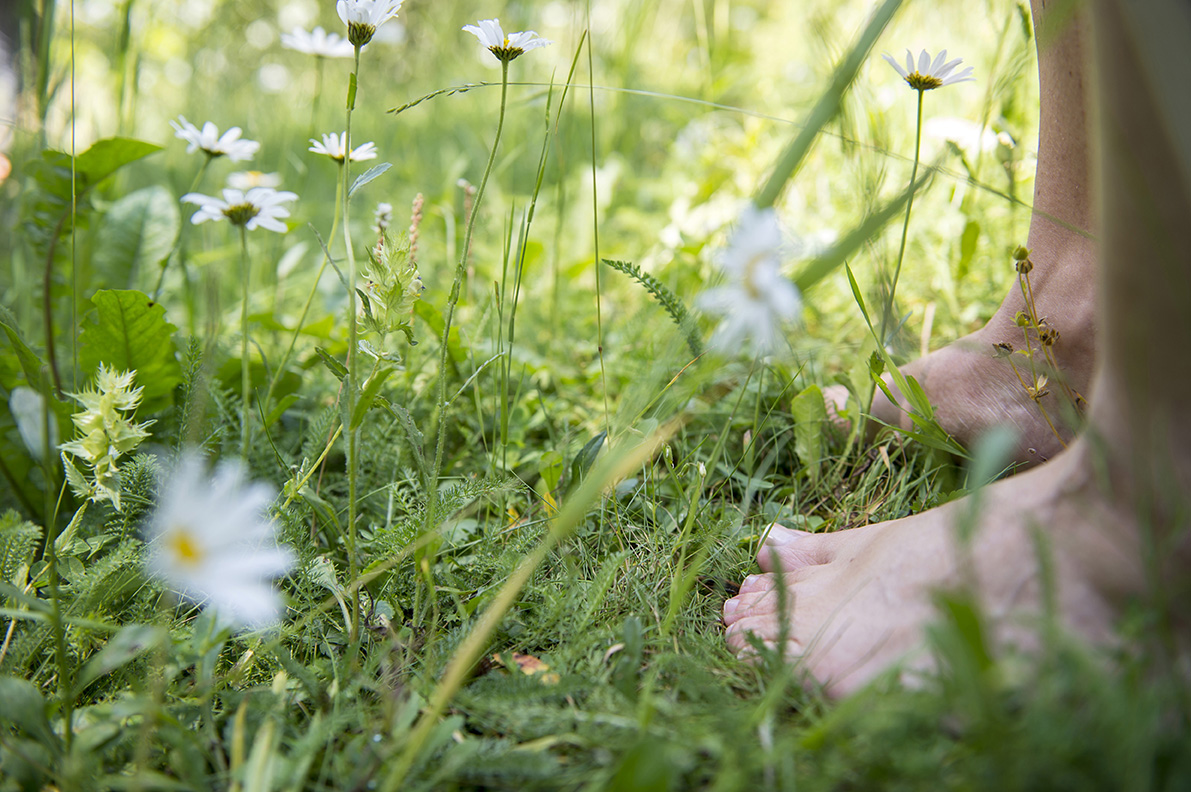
(789, 549)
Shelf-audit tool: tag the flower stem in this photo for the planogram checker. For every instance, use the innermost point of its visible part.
(460, 272)
(180, 247)
(349, 396)
(887, 317)
(245, 378)
(280, 367)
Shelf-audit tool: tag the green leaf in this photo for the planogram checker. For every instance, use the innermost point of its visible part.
(367, 176)
(30, 363)
(368, 394)
(810, 413)
(550, 467)
(18, 542)
(585, 459)
(126, 645)
(337, 368)
(107, 156)
(138, 232)
(130, 332)
(967, 249)
(25, 708)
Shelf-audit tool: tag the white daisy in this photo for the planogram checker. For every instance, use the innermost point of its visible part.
(756, 299)
(211, 143)
(363, 17)
(259, 207)
(929, 74)
(246, 180)
(505, 48)
(212, 541)
(333, 145)
(319, 43)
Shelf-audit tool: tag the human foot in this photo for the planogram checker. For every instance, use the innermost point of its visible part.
(983, 380)
(972, 389)
(857, 601)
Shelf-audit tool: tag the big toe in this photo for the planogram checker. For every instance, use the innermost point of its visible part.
(789, 549)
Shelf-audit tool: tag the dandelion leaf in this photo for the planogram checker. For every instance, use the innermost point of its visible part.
(129, 331)
(138, 232)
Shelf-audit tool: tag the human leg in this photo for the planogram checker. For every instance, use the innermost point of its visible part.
(1112, 509)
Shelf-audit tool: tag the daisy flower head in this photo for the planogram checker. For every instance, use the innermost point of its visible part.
(258, 207)
(246, 180)
(210, 142)
(333, 146)
(318, 43)
(505, 48)
(212, 541)
(757, 298)
(930, 74)
(363, 17)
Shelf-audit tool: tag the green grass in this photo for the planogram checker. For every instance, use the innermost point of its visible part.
(692, 106)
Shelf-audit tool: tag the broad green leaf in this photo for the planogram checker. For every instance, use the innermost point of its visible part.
(125, 646)
(25, 708)
(585, 459)
(138, 232)
(107, 156)
(550, 467)
(130, 332)
(810, 413)
(967, 249)
(30, 363)
(368, 394)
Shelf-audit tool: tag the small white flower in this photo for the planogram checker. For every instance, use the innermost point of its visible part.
(246, 180)
(211, 540)
(210, 142)
(382, 217)
(363, 17)
(505, 48)
(333, 145)
(319, 43)
(259, 207)
(757, 298)
(929, 74)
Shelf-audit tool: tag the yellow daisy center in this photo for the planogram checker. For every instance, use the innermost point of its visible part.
(184, 547)
(923, 82)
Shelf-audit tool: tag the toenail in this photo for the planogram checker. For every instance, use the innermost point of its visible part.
(779, 536)
(730, 607)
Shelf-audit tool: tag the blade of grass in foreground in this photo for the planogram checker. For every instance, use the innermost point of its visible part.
(827, 107)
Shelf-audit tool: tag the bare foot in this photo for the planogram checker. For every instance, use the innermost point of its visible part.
(973, 388)
(858, 600)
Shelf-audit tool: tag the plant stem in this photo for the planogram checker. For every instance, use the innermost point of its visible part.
(280, 367)
(245, 374)
(887, 317)
(452, 301)
(349, 397)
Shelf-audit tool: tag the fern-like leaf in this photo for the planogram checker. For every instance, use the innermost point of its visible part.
(668, 300)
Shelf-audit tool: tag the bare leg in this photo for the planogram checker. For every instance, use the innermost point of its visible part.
(1112, 508)
(972, 389)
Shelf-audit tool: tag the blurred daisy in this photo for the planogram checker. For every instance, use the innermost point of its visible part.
(928, 74)
(756, 299)
(319, 43)
(333, 147)
(363, 17)
(258, 207)
(246, 180)
(212, 541)
(210, 142)
(505, 48)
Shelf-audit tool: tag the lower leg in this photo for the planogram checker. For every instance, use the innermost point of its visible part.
(971, 387)
(1110, 513)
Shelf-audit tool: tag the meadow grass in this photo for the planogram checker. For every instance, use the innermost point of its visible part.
(563, 482)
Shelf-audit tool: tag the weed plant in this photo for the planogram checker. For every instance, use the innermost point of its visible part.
(515, 483)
